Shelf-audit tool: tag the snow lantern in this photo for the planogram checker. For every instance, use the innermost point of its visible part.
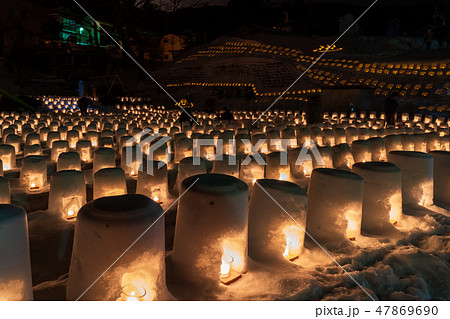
(105, 239)
(251, 170)
(59, 147)
(183, 148)
(433, 142)
(342, 156)
(67, 193)
(15, 267)
(382, 199)
(72, 137)
(109, 182)
(32, 139)
(5, 193)
(35, 149)
(339, 136)
(417, 176)
(210, 243)
(104, 157)
(131, 160)
(52, 137)
(441, 173)
(69, 161)
(33, 173)
(277, 166)
(84, 148)
(351, 134)
(324, 160)
(378, 149)
(334, 205)
(7, 156)
(420, 142)
(361, 151)
(276, 233)
(393, 142)
(228, 165)
(153, 181)
(407, 142)
(190, 166)
(14, 140)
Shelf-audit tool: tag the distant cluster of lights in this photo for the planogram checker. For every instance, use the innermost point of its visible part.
(288, 95)
(328, 48)
(331, 78)
(60, 103)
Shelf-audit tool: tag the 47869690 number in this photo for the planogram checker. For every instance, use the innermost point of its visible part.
(407, 310)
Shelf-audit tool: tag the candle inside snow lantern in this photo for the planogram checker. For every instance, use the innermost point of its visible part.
(417, 176)
(131, 160)
(337, 217)
(67, 193)
(342, 156)
(7, 156)
(84, 148)
(33, 173)
(251, 170)
(100, 223)
(382, 197)
(277, 166)
(153, 181)
(273, 235)
(132, 292)
(361, 150)
(225, 267)
(293, 242)
(198, 250)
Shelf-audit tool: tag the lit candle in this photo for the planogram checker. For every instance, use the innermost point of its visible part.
(132, 292)
(225, 268)
(352, 229)
(33, 185)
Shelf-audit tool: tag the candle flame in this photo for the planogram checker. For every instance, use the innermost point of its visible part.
(293, 246)
(225, 267)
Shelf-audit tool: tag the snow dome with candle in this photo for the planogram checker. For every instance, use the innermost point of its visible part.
(276, 233)
(114, 234)
(210, 244)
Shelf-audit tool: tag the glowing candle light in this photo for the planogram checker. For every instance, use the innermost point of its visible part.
(132, 292)
(225, 267)
(352, 229)
(283, 177)
(293, 247)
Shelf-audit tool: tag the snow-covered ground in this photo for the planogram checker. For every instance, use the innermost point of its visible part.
(414, 265)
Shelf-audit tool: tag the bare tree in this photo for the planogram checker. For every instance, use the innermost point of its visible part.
(174, 5)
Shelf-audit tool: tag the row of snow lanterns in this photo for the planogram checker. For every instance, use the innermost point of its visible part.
(228, 259)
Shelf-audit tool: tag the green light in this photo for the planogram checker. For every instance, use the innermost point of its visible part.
(81, 29)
